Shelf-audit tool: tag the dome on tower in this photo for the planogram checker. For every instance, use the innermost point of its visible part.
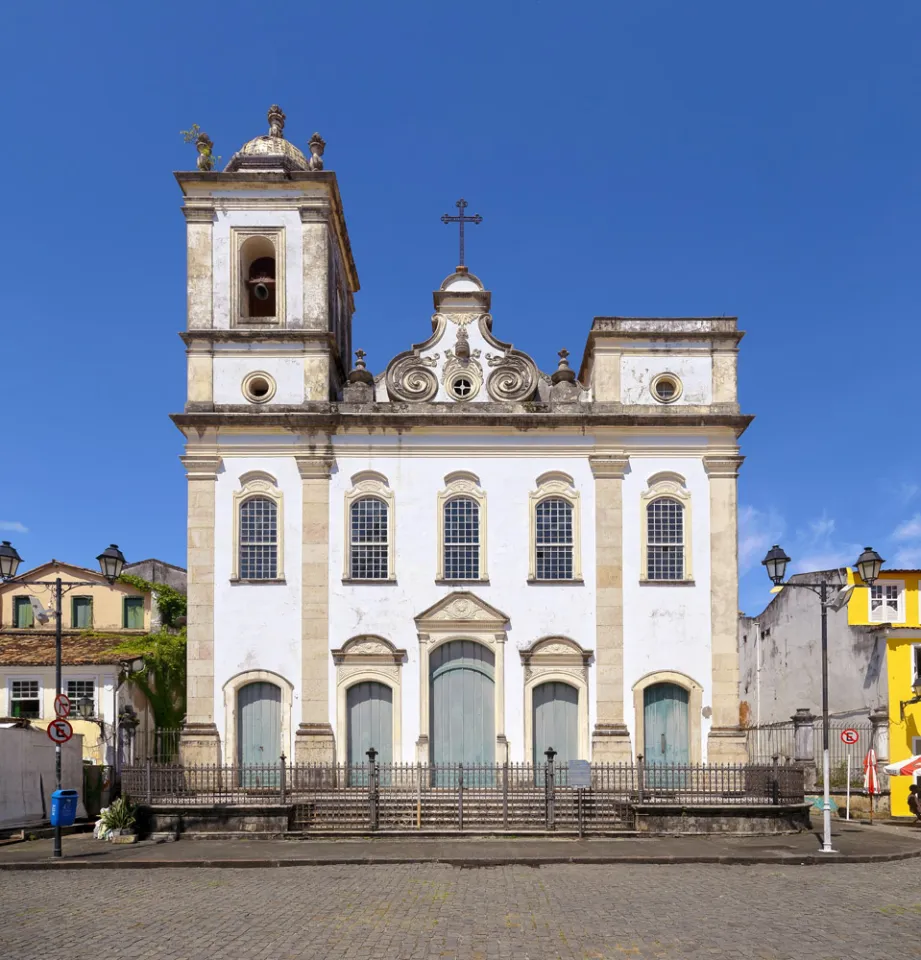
(272, 152)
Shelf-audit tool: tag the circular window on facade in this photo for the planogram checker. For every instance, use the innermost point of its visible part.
(666, 388)
(258, 387)
(463, 387)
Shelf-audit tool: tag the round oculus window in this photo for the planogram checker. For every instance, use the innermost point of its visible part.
(258, 387)
(462, 387)
(666, 388)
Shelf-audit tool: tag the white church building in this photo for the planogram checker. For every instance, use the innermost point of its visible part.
(457, 557)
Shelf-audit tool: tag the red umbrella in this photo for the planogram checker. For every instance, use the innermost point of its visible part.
(905, 768)
(870, 776)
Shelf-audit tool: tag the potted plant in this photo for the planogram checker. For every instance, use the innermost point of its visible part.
(116, 822)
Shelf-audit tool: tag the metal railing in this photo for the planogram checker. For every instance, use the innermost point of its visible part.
(159, 746)
(374, 796)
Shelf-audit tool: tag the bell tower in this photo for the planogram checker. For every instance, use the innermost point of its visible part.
(271, 285)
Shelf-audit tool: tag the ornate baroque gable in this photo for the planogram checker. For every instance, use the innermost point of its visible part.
(462, 609)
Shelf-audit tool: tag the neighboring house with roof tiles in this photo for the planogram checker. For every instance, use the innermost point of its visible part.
(95, 621)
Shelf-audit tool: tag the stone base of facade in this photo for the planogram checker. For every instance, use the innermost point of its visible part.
(422, 749)
(200, 743)
(611, 743)
(314, 743)
(727, 745)
(743, 819)
(501, 749)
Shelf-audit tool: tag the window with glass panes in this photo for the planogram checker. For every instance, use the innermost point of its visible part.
(22, 612)
(368, 539)
(886, 603)
(553, 540)
(81, 612)
(665, 540)
(462, 539)
(78, 689)
(25, 699)
(258, 539)
(916, 664)
(133, 613)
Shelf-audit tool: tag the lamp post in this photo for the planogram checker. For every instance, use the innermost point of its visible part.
(111, 562)
(868, 565)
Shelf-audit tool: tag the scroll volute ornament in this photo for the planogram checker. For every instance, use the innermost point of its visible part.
(514, 377)
(409, 377)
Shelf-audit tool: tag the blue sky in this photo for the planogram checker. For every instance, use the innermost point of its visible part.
(651, 158)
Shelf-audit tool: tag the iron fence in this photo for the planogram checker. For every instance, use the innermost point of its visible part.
(777, 740)
(502, 797)
(159, 746)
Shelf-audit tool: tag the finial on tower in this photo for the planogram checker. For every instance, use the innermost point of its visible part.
(360, 373)
(317, 146)
(461, 219)
(276, 122)
(563, 372)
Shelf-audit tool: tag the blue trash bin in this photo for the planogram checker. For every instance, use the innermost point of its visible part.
(63, 808)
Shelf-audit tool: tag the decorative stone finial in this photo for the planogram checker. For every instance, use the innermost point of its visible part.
(317, 146)
(276, 122)
(205, 148)
(360, 374)
(563, 373)
(462, 344)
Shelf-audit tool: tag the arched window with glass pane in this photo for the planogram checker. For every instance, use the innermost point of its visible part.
(462, 539)
(554, 539)
(258, 539)
(665, 540)
(369, 539)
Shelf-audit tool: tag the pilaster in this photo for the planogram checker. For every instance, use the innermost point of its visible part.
(610, 738)
(200, 741)
(314, 741)
(726, 741)
(200, 278)
(200, 370)
(316, 254)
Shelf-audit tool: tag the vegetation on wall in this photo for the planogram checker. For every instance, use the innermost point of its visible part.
(162, 678)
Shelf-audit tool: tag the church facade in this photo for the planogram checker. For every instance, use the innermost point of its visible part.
(458, 558)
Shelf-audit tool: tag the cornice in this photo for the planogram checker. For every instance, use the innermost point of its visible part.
(242, 335)
(201, 467)
(722, 466)
(315, 466)
(200, 213)
(607, 466)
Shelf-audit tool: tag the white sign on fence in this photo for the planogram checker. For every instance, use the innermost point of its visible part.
(580, 773)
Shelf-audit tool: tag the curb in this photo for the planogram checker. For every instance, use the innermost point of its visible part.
(466, 863)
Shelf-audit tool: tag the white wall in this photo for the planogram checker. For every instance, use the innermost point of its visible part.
(388, 609)
(638, 370)
(287, 372)
(257, 626)
(222, 249)
(666, 627)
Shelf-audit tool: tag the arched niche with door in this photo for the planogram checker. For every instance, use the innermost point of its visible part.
(257, 718)
(556, 699)
(667, 710)
(368, 699)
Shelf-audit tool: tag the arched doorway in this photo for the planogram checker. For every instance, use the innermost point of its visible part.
(259, 730)
(665, 724)
(462, 694)
(556, 721)
(369, 712)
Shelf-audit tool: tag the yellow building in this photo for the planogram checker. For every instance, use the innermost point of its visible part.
(893, 603)
(95, 620)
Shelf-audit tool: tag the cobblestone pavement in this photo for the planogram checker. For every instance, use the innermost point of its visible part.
(867, 911)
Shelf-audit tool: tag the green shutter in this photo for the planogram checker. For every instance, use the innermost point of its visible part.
(22, 612)
(134, 613)
(81, 612)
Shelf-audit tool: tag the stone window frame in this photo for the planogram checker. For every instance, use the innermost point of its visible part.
(362, 659)
(672, 486)
(258, 483)
(915, 664)
(461, 484)
(554, 484)
(238, 237)
(369, 484)
(695, 693)
(28, 678)
(230, 690)
(556, 659)
(900, 602)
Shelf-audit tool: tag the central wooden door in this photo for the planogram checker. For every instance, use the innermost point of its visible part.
(462, 726)
(665, 718)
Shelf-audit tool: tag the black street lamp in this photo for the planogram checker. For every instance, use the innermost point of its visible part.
(868, 565)
(111, 562)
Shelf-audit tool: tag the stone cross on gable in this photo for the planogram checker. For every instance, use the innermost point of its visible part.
(461, 218)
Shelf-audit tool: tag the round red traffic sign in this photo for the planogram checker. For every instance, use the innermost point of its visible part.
(60, 731)
(62, 706)
(849, 736)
